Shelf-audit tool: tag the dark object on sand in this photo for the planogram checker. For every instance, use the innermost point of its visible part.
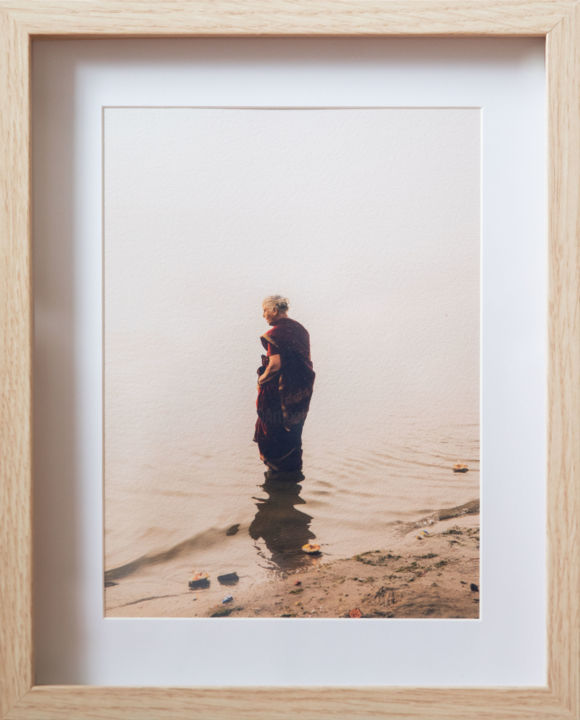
(229, 579)
(233, 529)
(225, 611)
(473, 587)
(199, 580)
(460, 468)
(227, 599)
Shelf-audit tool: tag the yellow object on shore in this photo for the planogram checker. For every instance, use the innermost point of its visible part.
(311, 549)
(199, 580)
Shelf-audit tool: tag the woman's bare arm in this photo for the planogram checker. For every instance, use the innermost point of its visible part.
(274, 364)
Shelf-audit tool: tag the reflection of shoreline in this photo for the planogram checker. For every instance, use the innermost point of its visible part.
(283, 528)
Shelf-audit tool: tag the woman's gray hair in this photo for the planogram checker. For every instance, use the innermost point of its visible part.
(277, 301)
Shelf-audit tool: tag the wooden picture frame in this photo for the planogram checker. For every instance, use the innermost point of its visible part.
(23, 20)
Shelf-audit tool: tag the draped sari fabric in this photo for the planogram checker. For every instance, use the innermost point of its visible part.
(284, 399)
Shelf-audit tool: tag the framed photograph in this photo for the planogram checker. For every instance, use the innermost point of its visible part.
(187, 237)
(332, 482)
(190, 270)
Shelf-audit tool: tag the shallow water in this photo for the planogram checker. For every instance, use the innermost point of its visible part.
(221, 515)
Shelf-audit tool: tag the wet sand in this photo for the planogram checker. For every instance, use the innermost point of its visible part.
(430, 569)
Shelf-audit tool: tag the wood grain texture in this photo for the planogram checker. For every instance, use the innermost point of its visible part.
(560, 20)
(563, 53)
(289, 17)
(287, 704)
(15, 371)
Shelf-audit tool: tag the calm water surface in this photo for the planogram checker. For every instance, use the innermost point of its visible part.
(213, 510)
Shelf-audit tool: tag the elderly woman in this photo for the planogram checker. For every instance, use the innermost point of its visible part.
(285, 382)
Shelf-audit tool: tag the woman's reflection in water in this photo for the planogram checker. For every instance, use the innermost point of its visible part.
(284, 528)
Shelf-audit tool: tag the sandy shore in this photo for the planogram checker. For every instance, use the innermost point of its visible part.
(429, 571)
(433, 575)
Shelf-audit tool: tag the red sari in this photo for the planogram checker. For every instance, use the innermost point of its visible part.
(284, 399)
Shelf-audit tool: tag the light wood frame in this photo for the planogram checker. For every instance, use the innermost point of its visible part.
(23, 20)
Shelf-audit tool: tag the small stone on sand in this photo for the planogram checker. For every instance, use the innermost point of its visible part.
(229, 579)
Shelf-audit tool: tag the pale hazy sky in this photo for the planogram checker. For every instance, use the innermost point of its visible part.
(368, 220)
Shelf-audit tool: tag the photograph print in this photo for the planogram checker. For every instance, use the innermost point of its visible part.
(291, 362)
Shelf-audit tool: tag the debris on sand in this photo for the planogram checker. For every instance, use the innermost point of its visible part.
(225, 611)
(459, 467)
(199, 580)
(405, 578)
(229, 578)
(311, 549)
(233, 529)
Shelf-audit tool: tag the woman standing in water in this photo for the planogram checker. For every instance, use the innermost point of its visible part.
(285, 382)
